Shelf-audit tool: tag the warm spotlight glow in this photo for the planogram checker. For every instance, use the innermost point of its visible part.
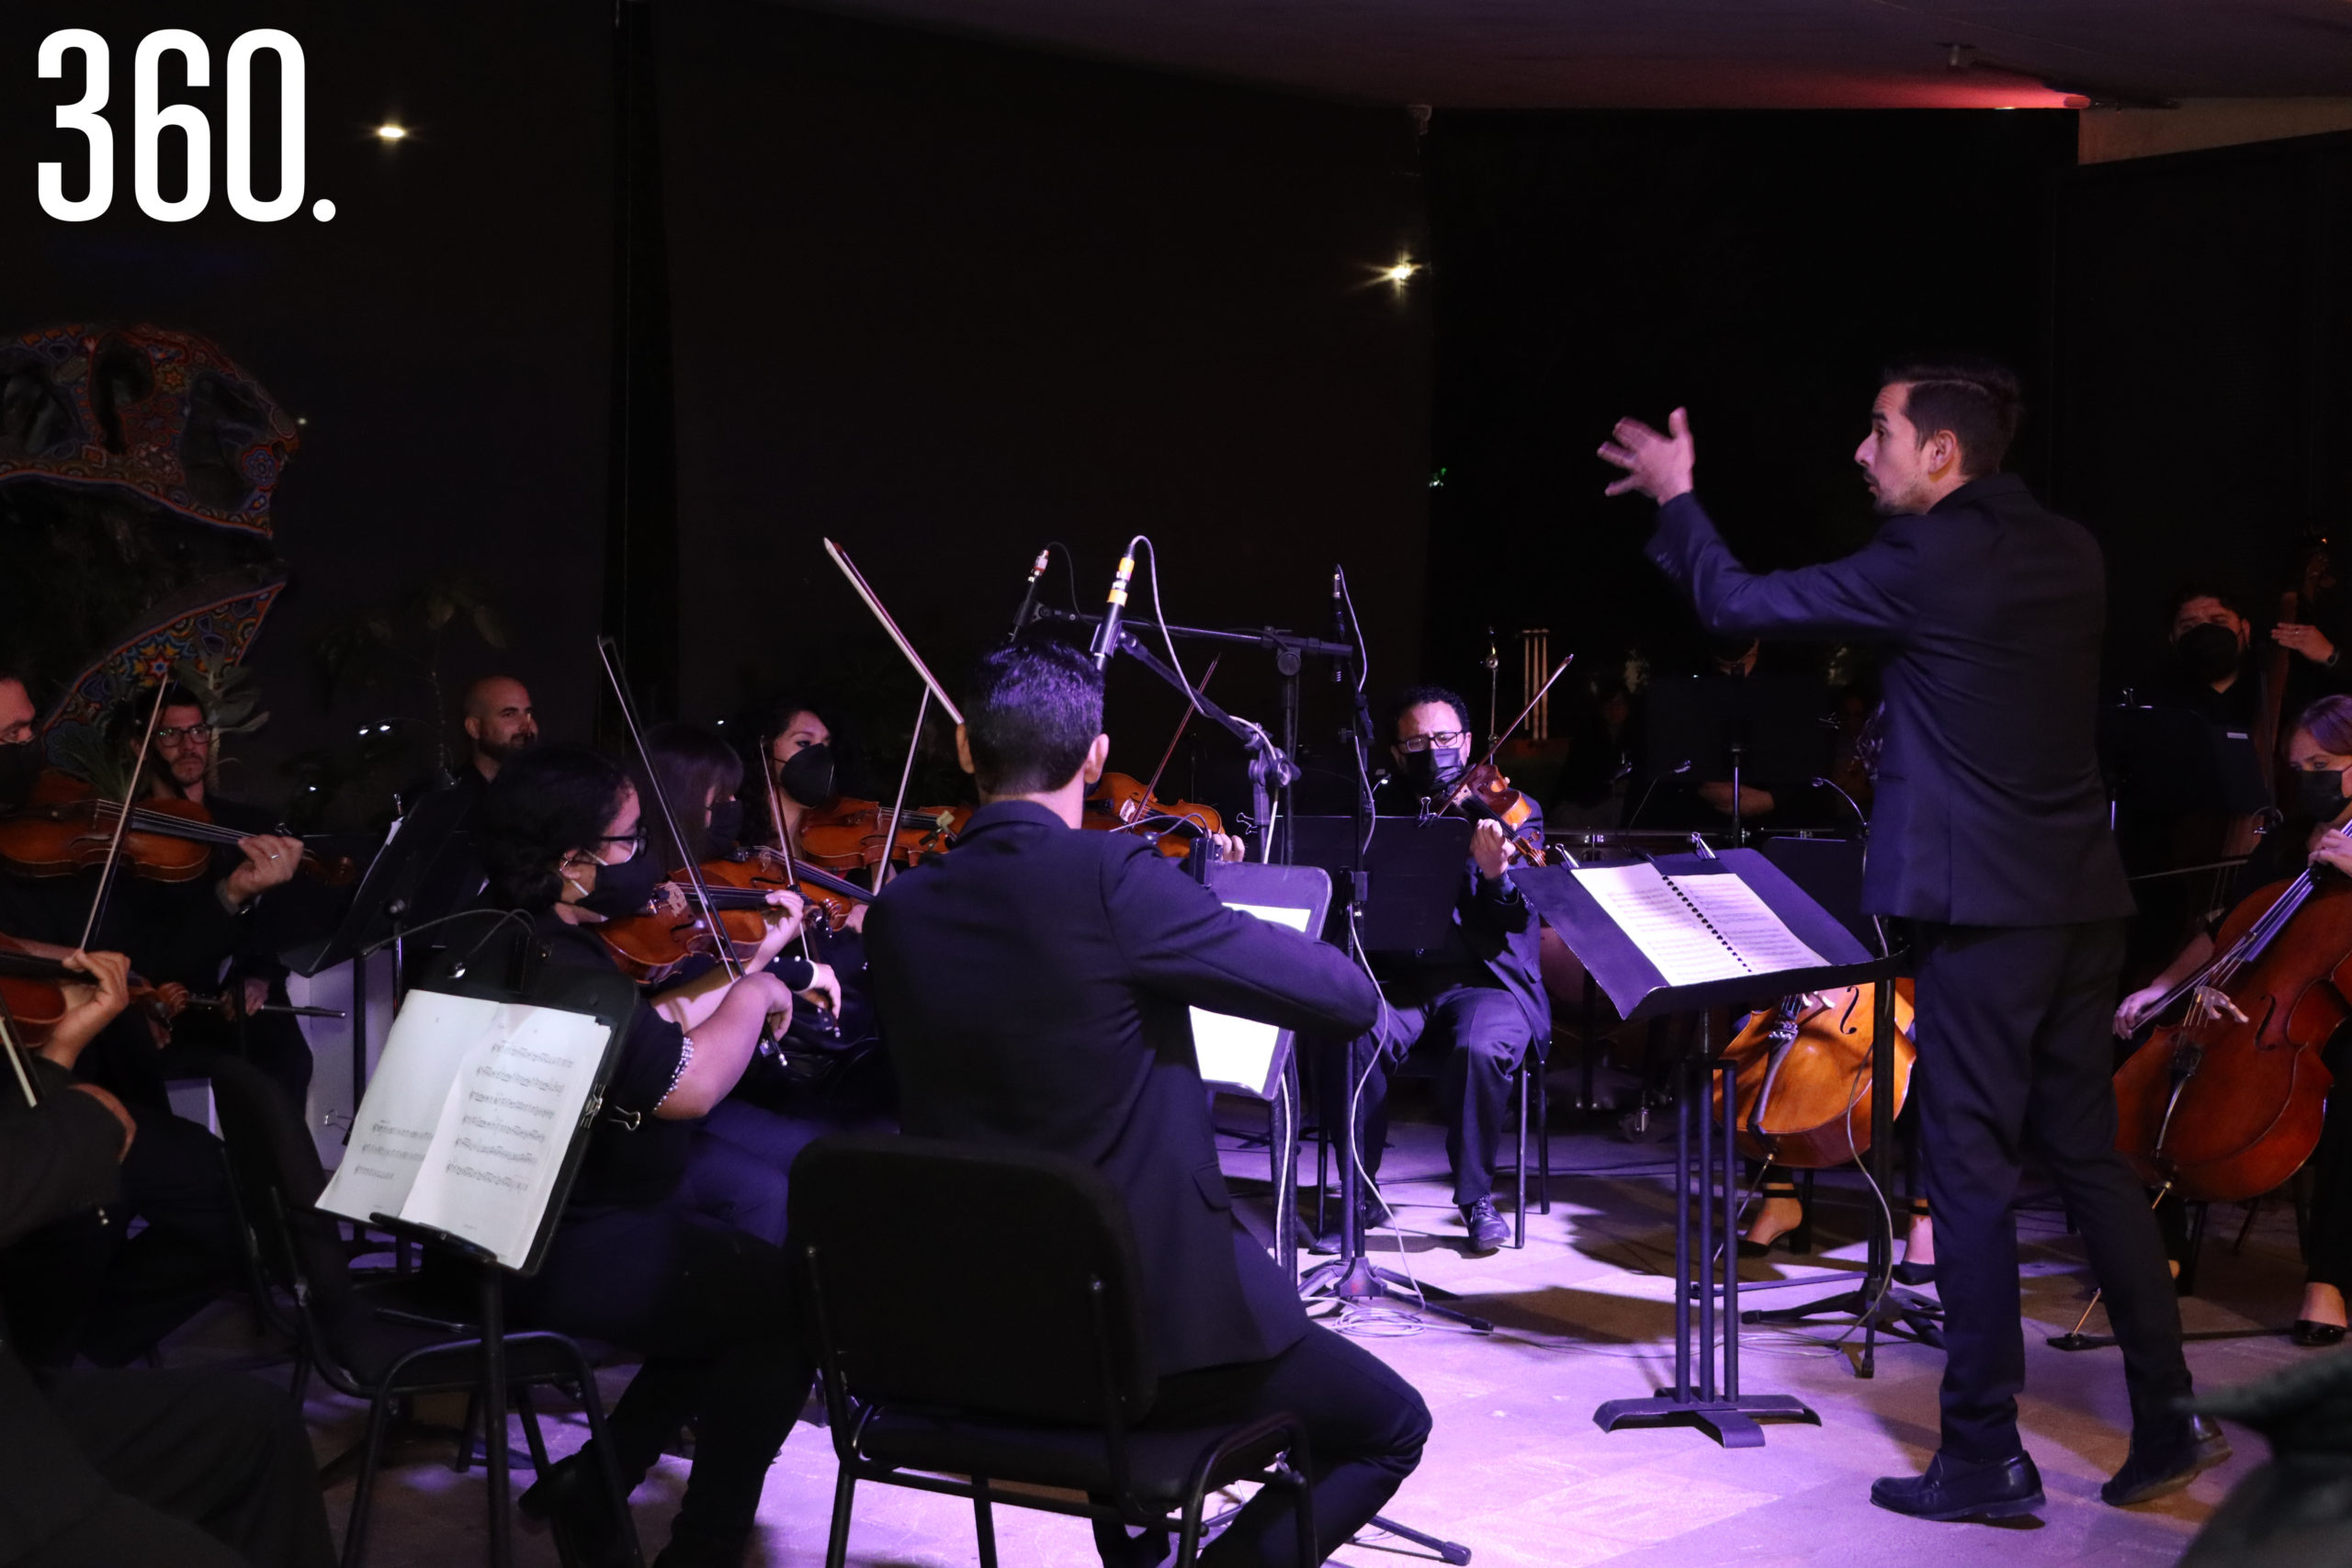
(1402, 273)
(392, 130)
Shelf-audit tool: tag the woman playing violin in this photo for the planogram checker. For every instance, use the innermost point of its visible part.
(659, 1248)
(2318, 754)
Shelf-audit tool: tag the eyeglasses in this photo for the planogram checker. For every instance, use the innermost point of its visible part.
(1453, 737)
(16, 734)
(197, 734)
(634, 842)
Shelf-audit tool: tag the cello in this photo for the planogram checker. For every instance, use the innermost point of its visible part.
(2227, 1104)
(1803, 1076)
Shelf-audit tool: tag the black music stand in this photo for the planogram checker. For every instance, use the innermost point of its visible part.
(1639, 990)
(1722, 728)
(1410, 879)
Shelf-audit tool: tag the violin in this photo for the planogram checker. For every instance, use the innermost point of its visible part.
(2227, 1104)
(653, 947)
(847, 835)
(32, 993)
(66, 827)
(1121, 803)
(1482, 792)
(1803, 1077)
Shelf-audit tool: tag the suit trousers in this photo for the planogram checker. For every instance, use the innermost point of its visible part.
(1364, 1426)
(2015, 1055)
(209, 1470)
(1488, 1033)
(2327, 1251)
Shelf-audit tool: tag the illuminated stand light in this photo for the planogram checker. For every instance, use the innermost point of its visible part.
(392, 130)
(1401, 272)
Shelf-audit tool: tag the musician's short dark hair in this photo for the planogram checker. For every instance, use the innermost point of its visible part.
(689, 761)
(1975, 398)
(544, 804)
(1412, 697)
(128, 720)
(1030, 712)
(2209, 584)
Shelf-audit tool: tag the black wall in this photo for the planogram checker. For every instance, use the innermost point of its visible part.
(444, 337)
(1756, 268)
(2204, 341)
(944, 301)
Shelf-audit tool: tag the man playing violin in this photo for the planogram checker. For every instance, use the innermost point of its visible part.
(1478, 997)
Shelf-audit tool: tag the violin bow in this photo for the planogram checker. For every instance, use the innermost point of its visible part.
(783, 839)
(1190, 709)
(16, 1050)
(609, 652)
(122, 822)
(1495, 750)
(931, 688)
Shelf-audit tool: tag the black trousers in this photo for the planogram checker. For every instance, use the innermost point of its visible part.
(1489, 1037)
(2327, 1257)
(2016, 1055)
(1364, 1424)
(709, 1308)
(209, 1470)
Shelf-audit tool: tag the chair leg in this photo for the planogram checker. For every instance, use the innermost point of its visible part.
(1302, 1511)
(464, 1461)
(1519, 1165)
(1803, 1239)
(1543, 1143)
(837, 1543)
(593, 1406)
(363, 1486)
(1188, 1534)
(984, 1522)
(520, 1394)
(2197, 1215)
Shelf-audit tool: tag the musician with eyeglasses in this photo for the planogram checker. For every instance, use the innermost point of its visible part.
(1479, 995)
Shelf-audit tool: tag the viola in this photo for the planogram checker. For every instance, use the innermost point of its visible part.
(67, 827)
(1803, 1075)
(847, 835)
(1121, 803)
(2227, 1104)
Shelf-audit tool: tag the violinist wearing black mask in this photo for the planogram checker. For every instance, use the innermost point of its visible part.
(20, 753)
(1477, 994)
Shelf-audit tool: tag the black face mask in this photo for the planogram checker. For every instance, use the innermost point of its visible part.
(808, 776)
(625, 890)
(725, 830)
(2319, 793)
(21, 766)
(2208, 652)
(1428, 772)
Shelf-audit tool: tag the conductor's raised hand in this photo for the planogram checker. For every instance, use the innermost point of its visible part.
(1658, 465)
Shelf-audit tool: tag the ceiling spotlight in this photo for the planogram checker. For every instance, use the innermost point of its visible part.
(392, 130)
(1402, 273)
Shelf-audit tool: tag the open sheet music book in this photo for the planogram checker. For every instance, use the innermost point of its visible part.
(469, 1119)
(1696, 928)
(1239, 1052)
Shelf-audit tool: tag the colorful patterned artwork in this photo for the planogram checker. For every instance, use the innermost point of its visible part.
(210, 636)
(164, 414)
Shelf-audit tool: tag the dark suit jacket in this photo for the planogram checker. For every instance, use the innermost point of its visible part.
(1496, 928)
(1989, 807)
(57, 1160)
(1033, 987)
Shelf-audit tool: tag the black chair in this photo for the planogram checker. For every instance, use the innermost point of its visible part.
(386, 1339)
(1009, 1351)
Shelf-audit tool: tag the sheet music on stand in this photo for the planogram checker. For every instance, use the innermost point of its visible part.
(472, 1124)
(1696, 927)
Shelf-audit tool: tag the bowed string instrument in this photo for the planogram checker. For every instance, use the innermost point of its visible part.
(1121, 804)
(1481, 791)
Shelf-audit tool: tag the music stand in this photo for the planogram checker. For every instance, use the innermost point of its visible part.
(1640, 990)
(1721, 728)
(380, 906)
(1411, 878)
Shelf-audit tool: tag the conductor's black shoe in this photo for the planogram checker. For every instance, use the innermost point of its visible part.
(2317, 1334)
(2165, 1463)
(1487, 1229)
(1950, 1490)
(571, 1500)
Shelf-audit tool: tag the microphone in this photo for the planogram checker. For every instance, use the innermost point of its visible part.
(1029, 597)
(1106, 638)
(1339, 622)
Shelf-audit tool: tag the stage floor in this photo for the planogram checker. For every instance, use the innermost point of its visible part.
(1516, 1470)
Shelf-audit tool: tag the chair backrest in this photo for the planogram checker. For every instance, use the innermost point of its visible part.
(985, 1279)
(280, 1179)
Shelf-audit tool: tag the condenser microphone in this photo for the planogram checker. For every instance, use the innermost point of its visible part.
(1106, 639)
(1339, 622)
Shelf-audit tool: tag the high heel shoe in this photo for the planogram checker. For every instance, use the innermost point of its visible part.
(1790, 1239)
(1907, 1272)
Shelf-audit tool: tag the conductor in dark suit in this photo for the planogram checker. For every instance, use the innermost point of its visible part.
(1034, 988)
(1990, 836)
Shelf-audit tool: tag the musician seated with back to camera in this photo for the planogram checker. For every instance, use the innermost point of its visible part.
(2318, 753)
(1036, 987)
(1478, 995)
